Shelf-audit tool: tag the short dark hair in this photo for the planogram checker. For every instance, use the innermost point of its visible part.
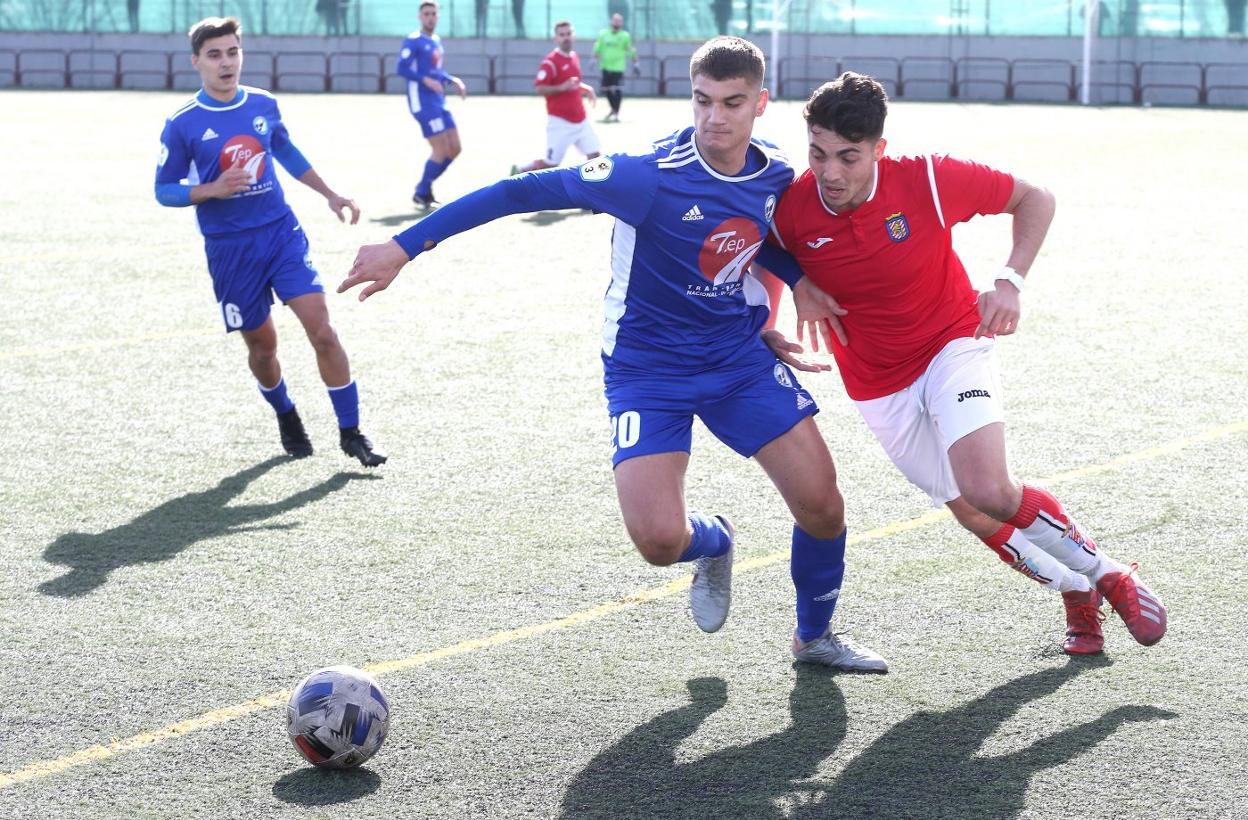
(726, 58)
(211, 27)
(561, 24)
(427, 3)
(853, 105)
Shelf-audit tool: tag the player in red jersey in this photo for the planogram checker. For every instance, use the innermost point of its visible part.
(914, 341)
(559, 81)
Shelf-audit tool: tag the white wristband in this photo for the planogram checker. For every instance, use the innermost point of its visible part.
(1012, 276)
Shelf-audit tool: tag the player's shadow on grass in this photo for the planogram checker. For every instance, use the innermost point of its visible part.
(325, 787)
(930, 765)
(925, 766)
(395, 220)
(640, 776)
(162, 533)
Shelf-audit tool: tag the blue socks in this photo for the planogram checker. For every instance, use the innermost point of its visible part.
(346, 401)
(276, 396)
(433, 170)
(710, 538)
(817, 568)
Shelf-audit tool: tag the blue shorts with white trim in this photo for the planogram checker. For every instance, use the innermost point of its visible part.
(746, 405)
(248, 267)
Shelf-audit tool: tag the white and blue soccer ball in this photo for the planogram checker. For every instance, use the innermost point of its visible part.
(337, 717)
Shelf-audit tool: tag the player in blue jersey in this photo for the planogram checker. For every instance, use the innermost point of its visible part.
(215, 154)
(420, 61)
(682, 337)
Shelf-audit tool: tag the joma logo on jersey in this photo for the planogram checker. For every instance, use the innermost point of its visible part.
(243, 151)
(974, 394)
(728, 250)
(898, 228)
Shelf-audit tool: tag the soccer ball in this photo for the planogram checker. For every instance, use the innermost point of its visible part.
(337, 717)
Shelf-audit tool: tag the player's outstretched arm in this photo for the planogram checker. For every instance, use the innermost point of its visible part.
(380, 264)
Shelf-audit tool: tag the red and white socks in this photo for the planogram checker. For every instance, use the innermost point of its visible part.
(1012, 547)
(1043, 521)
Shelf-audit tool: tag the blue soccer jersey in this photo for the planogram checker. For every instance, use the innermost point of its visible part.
(205, 136)
(681, 297)
(420, 57)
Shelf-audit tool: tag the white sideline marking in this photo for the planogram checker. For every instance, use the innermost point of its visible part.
(45, 768)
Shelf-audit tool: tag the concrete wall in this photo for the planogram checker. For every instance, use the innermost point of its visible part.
(1152, 70)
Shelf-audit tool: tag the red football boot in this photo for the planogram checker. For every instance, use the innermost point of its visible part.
(1083, 623)
(1140, 609)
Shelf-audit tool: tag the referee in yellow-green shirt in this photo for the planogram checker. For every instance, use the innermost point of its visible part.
(614, 48)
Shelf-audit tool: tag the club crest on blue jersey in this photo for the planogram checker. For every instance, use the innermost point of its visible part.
(769, 208)
(261, 125)
(782, 375)
(898, 228)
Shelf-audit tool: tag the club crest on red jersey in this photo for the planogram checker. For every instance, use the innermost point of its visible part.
(898, 228)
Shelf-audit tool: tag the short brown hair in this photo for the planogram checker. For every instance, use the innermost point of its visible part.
(853, 105)
(726, 58)
(561, 24)
(211, 27)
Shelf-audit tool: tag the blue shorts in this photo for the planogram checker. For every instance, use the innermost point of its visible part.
(434, 121)
(745, 405)
(248, 267)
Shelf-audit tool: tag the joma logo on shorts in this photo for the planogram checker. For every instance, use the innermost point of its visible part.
(974, 394)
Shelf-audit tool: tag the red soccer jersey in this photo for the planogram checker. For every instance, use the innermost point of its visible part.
(890, 263)
(557, 68)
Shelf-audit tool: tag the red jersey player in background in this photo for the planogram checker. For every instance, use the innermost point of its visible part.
(559, 81)
(914, 341)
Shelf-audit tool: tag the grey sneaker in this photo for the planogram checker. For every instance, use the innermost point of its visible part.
(711, 590)
(839, 651)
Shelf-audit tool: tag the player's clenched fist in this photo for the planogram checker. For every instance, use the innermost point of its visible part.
(378, 264)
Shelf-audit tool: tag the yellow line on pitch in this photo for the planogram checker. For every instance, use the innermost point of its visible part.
(45, 768)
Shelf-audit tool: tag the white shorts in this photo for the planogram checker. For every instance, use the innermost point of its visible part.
(562, 135)
(959, 393)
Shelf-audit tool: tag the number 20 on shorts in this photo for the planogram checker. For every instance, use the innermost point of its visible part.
(625, 430)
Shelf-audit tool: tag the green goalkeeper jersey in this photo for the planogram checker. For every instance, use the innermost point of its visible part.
(614, 48)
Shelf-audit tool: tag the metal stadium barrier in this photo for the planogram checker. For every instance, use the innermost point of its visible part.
(1153, 82)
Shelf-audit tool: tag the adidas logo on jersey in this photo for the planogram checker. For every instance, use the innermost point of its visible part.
(209, 134)
(692, 215)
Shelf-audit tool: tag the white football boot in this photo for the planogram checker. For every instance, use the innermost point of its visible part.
(711, 590)
(838, 651)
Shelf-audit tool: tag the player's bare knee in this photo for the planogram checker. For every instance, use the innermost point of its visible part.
(661, 549)
(825, 520)
(993, 499)
(324, 338)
